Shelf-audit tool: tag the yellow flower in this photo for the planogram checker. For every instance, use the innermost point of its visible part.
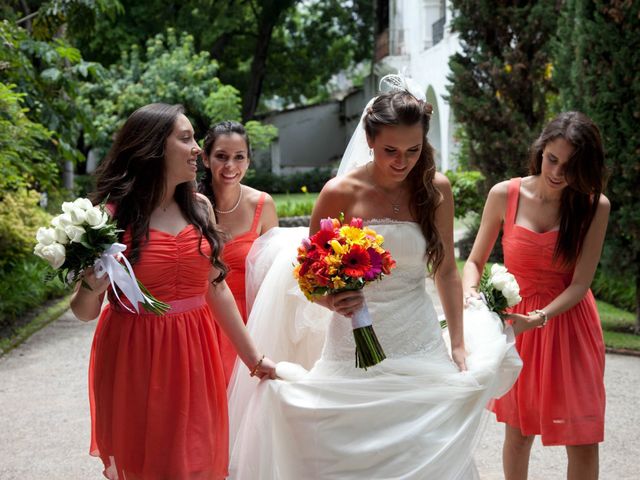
(333, 260)
(304, 189)
(379, 239)
(507, 68)
(353, 235)
(337, 282)
(498, 95)
(338, 248)
(548, 71)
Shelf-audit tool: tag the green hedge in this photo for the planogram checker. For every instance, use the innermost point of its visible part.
(23, 288)
(614, 290)
(271, 183)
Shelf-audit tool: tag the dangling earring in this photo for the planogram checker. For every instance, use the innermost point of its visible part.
(371, 152)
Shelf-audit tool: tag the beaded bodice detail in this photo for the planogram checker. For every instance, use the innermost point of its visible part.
(403, 314)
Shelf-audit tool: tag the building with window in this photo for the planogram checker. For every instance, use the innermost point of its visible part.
(413, 37)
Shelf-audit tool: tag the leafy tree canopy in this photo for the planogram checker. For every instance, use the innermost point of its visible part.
(501, 80)
(168, 70)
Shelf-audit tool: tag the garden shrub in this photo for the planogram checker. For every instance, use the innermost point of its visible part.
(20, 217)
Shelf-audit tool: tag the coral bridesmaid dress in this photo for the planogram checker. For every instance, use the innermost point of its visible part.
(156, 383)
(234, 255)
(560, 391)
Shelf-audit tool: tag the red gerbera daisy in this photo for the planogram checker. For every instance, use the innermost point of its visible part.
(322, 238)
(356, 262)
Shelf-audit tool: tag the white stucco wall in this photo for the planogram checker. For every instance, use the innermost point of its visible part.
(427, 63)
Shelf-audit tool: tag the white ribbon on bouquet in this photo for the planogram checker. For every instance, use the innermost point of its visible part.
(361, 318)
(120, 275)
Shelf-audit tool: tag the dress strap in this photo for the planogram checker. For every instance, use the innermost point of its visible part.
(256, 216)
(513, 193)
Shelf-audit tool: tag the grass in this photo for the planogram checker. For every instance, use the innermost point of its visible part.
(617, 324)
(294, 204)
(47, 314)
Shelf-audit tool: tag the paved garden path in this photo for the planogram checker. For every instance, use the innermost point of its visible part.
(44, 414)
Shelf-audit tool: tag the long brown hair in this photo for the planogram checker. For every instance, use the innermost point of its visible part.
(402, 108)
(585, 174)
(132, 177)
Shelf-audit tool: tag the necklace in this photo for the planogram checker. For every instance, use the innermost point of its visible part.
(395, 205)
(232, 209)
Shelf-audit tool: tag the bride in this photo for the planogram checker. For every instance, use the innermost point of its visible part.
(417, 414)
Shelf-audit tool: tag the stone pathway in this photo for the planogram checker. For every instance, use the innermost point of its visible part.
(44, 419)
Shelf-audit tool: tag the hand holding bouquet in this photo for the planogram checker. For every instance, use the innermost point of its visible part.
(499, 289)
(345, 257)
(84, 236)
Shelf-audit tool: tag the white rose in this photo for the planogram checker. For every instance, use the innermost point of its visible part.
(62, 221)
(83, 203)
(74, 233)
(94, 216)
(511, 294)
(67, 206)
(499, 280)
(496, 268)
(61, 235)
(78, 215)
(55, 254)
(46, 236)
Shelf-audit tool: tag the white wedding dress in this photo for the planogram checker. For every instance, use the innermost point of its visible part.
(413, 416)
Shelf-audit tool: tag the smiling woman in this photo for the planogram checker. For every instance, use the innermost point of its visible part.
(243, 213)
(146, 367)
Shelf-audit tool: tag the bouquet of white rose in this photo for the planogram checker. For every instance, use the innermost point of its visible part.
(499, 289)
(83, 236)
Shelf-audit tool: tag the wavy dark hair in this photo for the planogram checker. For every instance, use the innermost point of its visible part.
(132, 177)
(226, 127)
(402, 108)
(585, 174)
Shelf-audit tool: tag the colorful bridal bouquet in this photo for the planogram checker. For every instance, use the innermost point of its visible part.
(345, 257)
(499, 289)
(83, 236)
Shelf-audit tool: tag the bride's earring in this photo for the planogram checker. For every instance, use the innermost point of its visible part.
(371, 152)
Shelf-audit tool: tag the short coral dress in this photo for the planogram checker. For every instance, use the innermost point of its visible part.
(234, 256)
(560, 391)
(156, 383)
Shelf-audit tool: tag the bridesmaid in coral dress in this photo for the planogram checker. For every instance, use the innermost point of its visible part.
(554, 223)
(243, 213)
(156, 382)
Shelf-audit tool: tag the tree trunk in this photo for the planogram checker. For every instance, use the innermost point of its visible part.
(267, 18)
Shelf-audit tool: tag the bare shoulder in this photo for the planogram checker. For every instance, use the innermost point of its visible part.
(206, 205)
(339, 188)
(441, 182)
(604, 204)
(499, 191)
(203, 199)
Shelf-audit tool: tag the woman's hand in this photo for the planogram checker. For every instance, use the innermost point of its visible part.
(265, 369)
(470, 295)
(91, 284)
(345, 303)
(459, 354)
(522, 323)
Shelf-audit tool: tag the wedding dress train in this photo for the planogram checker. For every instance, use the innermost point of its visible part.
(413, 416)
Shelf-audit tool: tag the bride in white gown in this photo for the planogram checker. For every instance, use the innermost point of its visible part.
(418, 413)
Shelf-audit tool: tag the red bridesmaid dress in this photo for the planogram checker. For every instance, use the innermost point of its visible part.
(234, 255)
(560, 391)
(156, 383)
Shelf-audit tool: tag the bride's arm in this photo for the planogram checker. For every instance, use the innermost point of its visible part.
(447, 279)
